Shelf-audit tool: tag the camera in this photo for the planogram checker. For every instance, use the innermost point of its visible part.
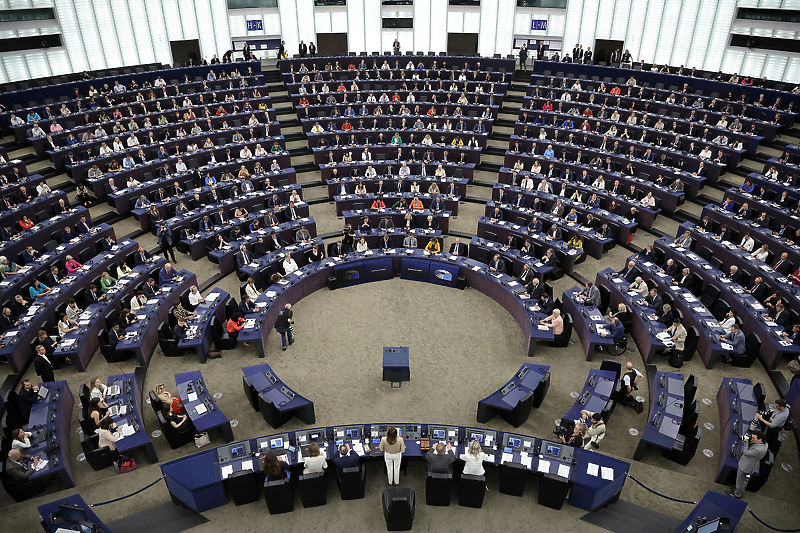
(561, 431)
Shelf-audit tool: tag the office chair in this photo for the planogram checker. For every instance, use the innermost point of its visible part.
(98, 458)
(752, 348)
(513, 478)
(278, 496)
(176, 437)
(438, 489)
(352, 482)
(691, 412)
(220, 336)
(562, 340)
(19, 489)
(155, 402)
(685, 447)
(398, 508)
(243, 486)
(690, 389)
(471, 491)
(250, 392)
(313, 489)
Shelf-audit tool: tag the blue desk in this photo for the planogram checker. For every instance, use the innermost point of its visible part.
(199, 331)
(586, 319)
(212, 418)
(736, 410)
(74, 500)
(483, 250)
(665, 420)
(276, 401)
(596, 396)
(714, 505)
(53, 415)
(528, 386)
(142, 336)
(130, 395)
(396, 368)
(197, 481)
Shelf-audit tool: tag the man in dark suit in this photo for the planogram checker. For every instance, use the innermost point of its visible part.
(497, 264)
(150, 289)
(665, 316)
(783, 266)
(735, 275)
(243, 257)
(554, 233)
(236, 234)
(141, 256)
(758, 290)
(440, 459)
(260, 248)
(670, 268)
(30, 255)
(303, 49)
(780, 315)
(43, 366)
(19, 465)
(220, 218)
(92, 295)
(7, 320)
(527, 275)
(653, 300)
(346, 458)
(629, 273)
(457, 248)
(107, 244)
(510, 242)
(246, 306)
(53, 277)
(84, 226)
(534, 288)
(115, 334)
(546, 304)
(274, 241)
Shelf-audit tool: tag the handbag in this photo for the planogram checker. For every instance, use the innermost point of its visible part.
(201, 439)
(177, 407)
(794, 366)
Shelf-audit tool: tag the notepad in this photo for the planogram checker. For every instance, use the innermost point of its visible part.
(358, 448)
(247, 465)
(192, 396)
(544, 466)
(227, 471)
(200, 409)
(213, 296)
(507, 458)
(525, 459)
(607, 473)
(563, 471)
(592, 469)
(41, 464)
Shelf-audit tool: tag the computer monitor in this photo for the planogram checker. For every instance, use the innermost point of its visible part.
(72, 514)
(88, 527)
(514, 443)
(313, 437)
(276, 443)
(439, 433)
(710, 527)
(237, 451)
(352, 433)
(476, 436)
(553, 451)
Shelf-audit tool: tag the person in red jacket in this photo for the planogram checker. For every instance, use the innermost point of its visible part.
(235, 324)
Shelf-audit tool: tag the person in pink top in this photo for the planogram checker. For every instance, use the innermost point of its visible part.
(72, 265)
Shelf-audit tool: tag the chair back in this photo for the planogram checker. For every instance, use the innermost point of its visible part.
(278, 496)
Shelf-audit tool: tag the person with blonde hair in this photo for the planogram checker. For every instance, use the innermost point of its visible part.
(474, 458)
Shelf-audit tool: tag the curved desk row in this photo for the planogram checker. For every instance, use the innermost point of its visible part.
(57, 256)
(354, 202)
(667, 408)
(262, 268)
(198, 480)
(416, 264)
(374, 124)
(17, 348)
(401, 152)
(738, 404)
(43, 205)
(515, 400)
(483, 250)
(198, 333)
(268, 394)
(588, 322)
(441, 219)
(129, 396)
(141, 336)
(452, 169)
(773, 347)
(693, 313)
(38, 235)
(53, 521)
(50, 421)
(646, 330)
(430, 61)
(449, 187)
(200, 405)
(645, 217)
(375, 137)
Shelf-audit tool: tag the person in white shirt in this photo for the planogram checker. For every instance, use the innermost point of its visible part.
(474, 458)
(118, 146)
(132, 141)
(37, 131)
(245, 152)
(566, 97)
(180, 166)
(195, 297)
(705, 153)
(317, 128)
(104, 150)
(649, 201)
(43, 188)
(747, 243)
(527, 183)
(599, 183)
(727, 322)
(370, 173)
(544, 186)
(762, 253)
(361, 245)
(289, 264)
(723, 123)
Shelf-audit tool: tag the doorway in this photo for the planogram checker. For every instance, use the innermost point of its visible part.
(331, 44)
(462, 43)
(604, 48)
(183, 51)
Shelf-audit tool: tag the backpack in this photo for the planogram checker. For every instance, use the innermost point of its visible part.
(126, 464)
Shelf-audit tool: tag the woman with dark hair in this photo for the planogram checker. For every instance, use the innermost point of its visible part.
(98, 411)
(392, 447)
(274, 468)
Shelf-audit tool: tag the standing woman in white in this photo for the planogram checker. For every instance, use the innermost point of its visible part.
(392, 447)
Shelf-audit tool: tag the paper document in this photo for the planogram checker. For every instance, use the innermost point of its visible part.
(526, 459)
(507, 458)
(592, 469)
(213, 296)
(200, 409)
(727, 346)
(192, 396)
(227, 470)
(607, 473)
(247, 465)
(358, 448)
(563, 471)
(41, 464)
(544, 466)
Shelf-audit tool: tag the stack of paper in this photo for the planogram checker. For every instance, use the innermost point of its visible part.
(227, 470)
(192, 396)
(592, 469)
(200, 408)
(544, 466)
(563, 471)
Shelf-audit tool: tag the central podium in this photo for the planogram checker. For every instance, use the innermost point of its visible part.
(395, 365)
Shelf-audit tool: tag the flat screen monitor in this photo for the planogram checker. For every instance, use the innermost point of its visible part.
(72, 514)
(514, 443)
(553, 451)
(476, 436)
(276, 443)
(438, 433)
(237, 451)
(313, 436)
(352, 433)
(711, 527)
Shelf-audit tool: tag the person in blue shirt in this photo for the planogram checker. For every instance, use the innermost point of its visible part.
(346, 458)
(211, 76)
(166, 274)
(549, 152)
(535, 225)
(727, 204)
(162, 154)
(128, 162)
(617, 330)
(479, 127)
(568, 124)
(539, 121)
(736, 339)
(33, 116)
(747, 187)
(38, 289)
(210, 180)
